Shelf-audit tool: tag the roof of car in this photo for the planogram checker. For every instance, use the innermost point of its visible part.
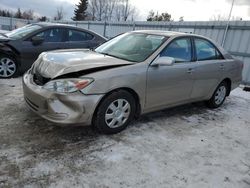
(163, 33)
(51, 24)
(45, 24)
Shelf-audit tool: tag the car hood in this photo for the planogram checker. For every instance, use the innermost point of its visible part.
(4, 39)
(61, 62)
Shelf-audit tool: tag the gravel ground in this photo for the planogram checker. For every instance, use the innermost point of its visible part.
(188, 146)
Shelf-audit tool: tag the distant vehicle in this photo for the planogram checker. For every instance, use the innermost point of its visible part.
(4, 31)
(132, 74)
(21, 47)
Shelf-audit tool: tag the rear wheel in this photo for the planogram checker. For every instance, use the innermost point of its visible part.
(219, 95)
(115, 112)
(8, 67)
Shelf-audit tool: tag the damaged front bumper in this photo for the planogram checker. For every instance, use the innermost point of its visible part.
(68, 108)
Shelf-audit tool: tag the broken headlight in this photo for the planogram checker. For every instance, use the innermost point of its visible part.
(67, 85)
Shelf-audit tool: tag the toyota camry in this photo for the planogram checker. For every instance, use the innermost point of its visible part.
(134, 73)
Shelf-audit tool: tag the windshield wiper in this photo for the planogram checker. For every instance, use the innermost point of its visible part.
(104, 53)
(4, 35)
(118, 57)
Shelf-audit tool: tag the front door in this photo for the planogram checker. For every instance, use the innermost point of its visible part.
(52, 40)
(168, 85)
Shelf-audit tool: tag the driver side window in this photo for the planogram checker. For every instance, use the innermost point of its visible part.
(179, 49)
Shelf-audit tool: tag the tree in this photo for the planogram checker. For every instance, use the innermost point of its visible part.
(151, 15)
(126, 11)
(108, 10)
(81, 10)
(59, 13)
(166, 17)
(92, 9)
(28, 14)
(155, 17)
(43, 19)
(181, 19)
(100, 6)
(18, 14)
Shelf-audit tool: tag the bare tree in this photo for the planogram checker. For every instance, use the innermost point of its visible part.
(220, 17)
(100, 7)
(118, 12)
(92, 9)
(111, 6)
(126, 10)
(107, 10)
(59, 13)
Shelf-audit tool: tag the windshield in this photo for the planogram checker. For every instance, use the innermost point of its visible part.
(136, 47)
(23, 31)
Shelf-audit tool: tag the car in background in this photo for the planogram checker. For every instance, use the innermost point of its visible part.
(4, 31)
(21, 47)
(132, 74)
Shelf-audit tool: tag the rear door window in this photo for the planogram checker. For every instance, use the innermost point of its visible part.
(205, 50)
(77, 36)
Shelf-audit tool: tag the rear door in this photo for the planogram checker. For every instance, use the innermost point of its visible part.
(210, 68)
(168, 85)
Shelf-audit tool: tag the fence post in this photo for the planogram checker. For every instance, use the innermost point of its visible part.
(88, 25)
(104, 29)
(134, 26)
(225, 35)
(11, 23)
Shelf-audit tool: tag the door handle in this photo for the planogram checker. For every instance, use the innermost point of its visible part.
(222, 66)
(190, 71)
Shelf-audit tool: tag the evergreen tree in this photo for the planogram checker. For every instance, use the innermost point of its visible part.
(81, 10)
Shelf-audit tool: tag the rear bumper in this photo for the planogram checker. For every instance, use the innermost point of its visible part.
(235, 85)
(72, 108)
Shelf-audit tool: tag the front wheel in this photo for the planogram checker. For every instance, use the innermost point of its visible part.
(115, 112)
(219, 96)
(8, 67)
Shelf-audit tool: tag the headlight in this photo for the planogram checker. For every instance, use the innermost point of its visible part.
(67, 85)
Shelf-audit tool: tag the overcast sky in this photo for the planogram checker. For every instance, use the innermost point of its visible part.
(191, 10)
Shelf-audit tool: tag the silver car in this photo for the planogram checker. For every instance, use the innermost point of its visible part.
(132, 74)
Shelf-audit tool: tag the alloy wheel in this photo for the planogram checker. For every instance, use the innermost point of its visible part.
(7, 67)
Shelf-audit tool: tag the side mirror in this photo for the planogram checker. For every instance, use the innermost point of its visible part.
(36, 40)
(163, 61)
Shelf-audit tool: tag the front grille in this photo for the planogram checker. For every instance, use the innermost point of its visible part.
(40, 80)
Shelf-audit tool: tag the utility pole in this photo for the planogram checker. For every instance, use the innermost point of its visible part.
(226, 30)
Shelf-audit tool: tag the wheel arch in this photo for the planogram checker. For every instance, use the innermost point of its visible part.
(129, 90)
(229, 84)
(14, 60)
(12, 53)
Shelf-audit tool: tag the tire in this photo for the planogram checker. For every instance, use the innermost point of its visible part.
(219, 96)
(115, 112)
(8, 67)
